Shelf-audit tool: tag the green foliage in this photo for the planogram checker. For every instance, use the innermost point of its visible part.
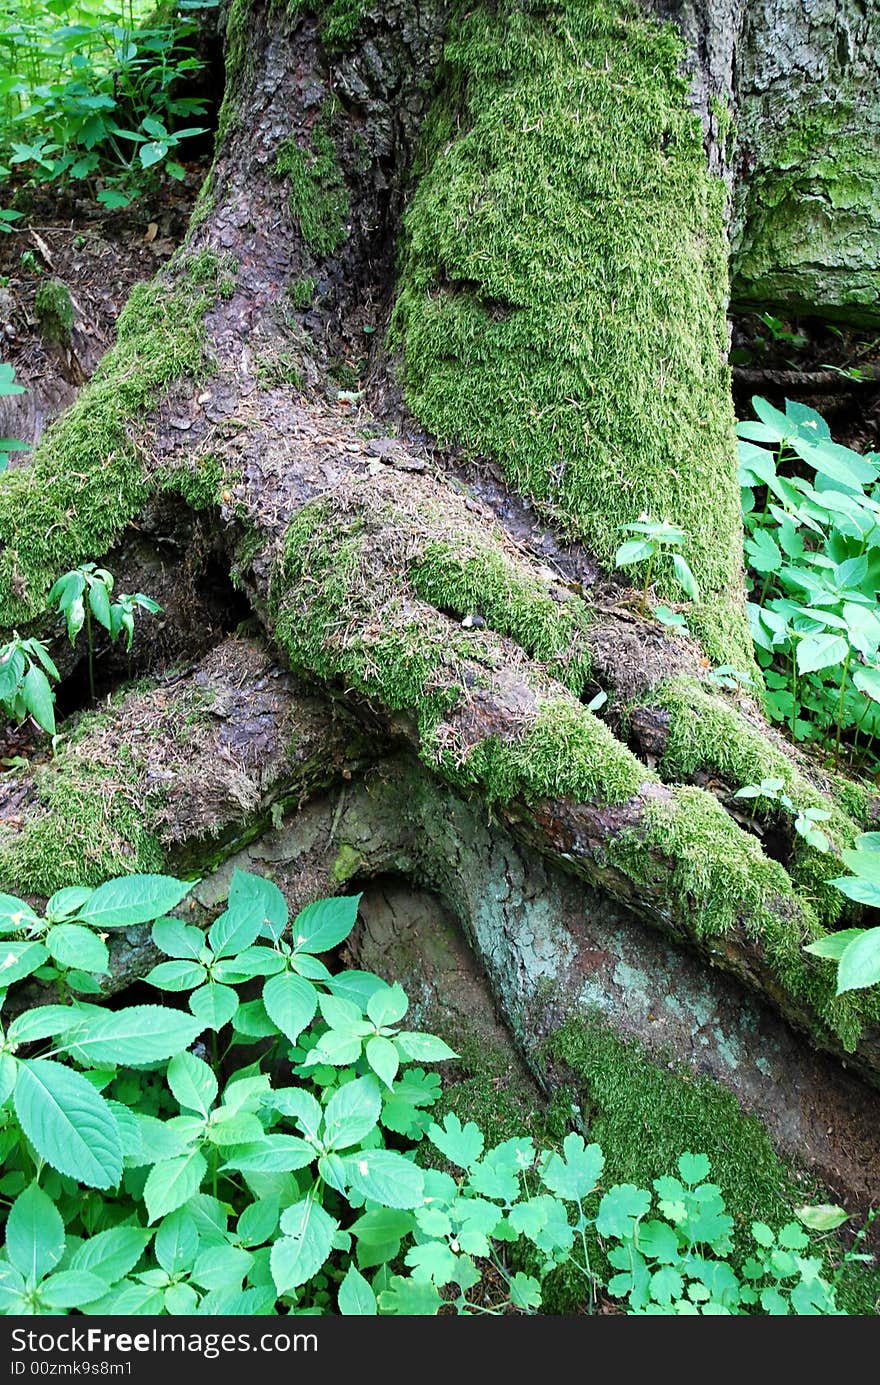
(656, 538)
(84, 594)
(54, 310)
(856, 950)
(94, 98)
(24, 685)
(813, 546)
(319, 202)
(142, 1179)
(805, 819)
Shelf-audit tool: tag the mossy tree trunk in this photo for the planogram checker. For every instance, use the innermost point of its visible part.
(451, 311)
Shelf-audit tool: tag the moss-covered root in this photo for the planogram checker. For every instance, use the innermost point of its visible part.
(347, 607)
(704, 733)
(563, 289)
(89, 475)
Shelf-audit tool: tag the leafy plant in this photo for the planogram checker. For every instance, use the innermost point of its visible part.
(140, 1178)
(656, 538)
(84, 593)
(25, 690)
(805, 819)
(856, 950)
(814, 548)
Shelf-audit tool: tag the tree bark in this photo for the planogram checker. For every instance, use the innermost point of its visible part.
(520, 217)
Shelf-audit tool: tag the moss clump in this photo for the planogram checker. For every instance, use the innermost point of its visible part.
(338, 20)
(276, 369)
(472, 578)
(301, 293)
(645, 1115)
(54, 311)
(200, 481)
(563, 288)
(88, 476)
(319, 202)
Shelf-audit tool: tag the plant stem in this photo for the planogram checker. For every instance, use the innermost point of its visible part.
(840, 706)
(91, 652)
(647, 584)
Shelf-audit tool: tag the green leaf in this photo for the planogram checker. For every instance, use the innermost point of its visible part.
(136, 1036)
(620, 1208)
(862, 891)
(410, 1298)
(693, 1168)
(867, 680)
(249, 892)
(213, 1005)
(72, 1289)
(325, 924)
(633, 551)
(133, 899)
(290, 1002)
(423, 1048)
(823, 1217)
(15, 914)
(173, 1182)
(577, 1173)
(525, 1292)
(859, 965)
(387, 1005)
(259, 1221)
(351, 1113)
(34, 1233)
(192, 1082)
(385, 1177)
(383, 1058)
(305, 1246)
(816, 652)
(74, 946)
(99, 601)
(834, 945)
(461, 1145)
(68, 1122)
(39, 698)
(273, 1154)
(178, 975)
(240, 924)
(356, 1299)
(178, 939)
(18, 960)
(177, 1241)
(111, 1254)
(685, 577)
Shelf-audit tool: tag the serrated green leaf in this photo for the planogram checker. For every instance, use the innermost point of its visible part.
(305, 1246)
(325, 924)
(132, 899)
(136, 1036)
(385, 1177)
(68, 1122)
(351, 1113)
(34, 1234)
(383, 1058)
(192, 1082)
(356, 1298)
(173, 1182)
(72, 945)
(213, 1005)
(291, 1003)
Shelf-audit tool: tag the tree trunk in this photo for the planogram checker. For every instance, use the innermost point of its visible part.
(450, 313)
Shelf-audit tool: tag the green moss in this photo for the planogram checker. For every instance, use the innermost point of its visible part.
(471, 578)
(199, 481)
(645, 1115)
(339, 20)
(88, 476)
(278, 368)
(301, 293)
(319, 202)
(54, 311)
(563, 287)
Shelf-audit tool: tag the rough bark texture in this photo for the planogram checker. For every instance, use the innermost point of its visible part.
(526, 199)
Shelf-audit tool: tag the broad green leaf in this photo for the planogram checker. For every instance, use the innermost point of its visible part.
(192, 1082)
(72, 1289)
(18, 960)
(862, 891)
(254, 961)
(177, 975)
(39, 698)
(135, 1037)
(823, 1217)
(351, 1113)
(173, 1182)
(355, 986)
(432, 1260)
(74, 946)
(817, 652)
(15, 914)
(68, 1122)
(66, 902)
(576, 1174)
(867, 680)
(356, 1298)
(865, 864)
(461, 1145)
(249, 892)
(111, 1254)
(272, 1154)
(34, 1233)
(177, 1241)
(290, 1002)
(301, 1106)
(860, 964)
(213, 1005)
(693, 1168)
(685, 577)
(45, 1021)
(239, 925)
(633, 551)
(219, 1266)
(133, 899)
(388, 1005)
(620, 1208)
(383, 1058)
(385, 1177)
(259, 1221)
(99, 602)
(304, 1247)
(833, 945)
(8, 1074)
(423, 1048)
(178, 939)
(325, 924)
(234, 1128)
(410, 1298)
